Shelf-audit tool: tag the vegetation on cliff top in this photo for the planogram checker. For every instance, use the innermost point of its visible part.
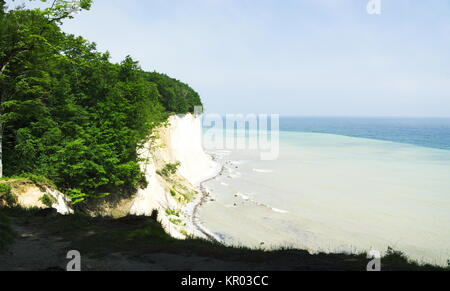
(69, 114)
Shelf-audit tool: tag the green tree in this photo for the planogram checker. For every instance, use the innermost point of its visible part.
(175, 96)
(26, 38)
(69, 114)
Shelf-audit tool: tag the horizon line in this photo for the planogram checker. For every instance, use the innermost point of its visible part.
(337, 116)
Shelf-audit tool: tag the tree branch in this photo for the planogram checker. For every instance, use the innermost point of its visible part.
(3, 68)
(11, 56)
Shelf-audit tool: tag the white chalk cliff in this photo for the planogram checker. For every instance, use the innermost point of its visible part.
(185, 143)
(180, 141)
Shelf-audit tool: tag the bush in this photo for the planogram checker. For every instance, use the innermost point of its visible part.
(175, 221)
(48, 200)
(5, 189)
(173, 212)
(6, 195)
(169, 169)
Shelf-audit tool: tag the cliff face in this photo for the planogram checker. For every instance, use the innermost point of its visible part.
(179, 142)
(28, 194)
(184, 142)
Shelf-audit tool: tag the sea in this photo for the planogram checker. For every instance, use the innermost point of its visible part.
(338, 185)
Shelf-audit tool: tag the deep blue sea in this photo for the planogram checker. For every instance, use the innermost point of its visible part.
(427, 132)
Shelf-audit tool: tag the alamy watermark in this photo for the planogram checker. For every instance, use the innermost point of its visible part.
(374, 7)
(74, 264)
(375, 264)
(254, 132)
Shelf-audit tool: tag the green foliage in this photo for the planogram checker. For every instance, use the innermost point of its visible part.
(169, 169)
(186, 234)
(37, 179)
(5, 189)
(62, 9)
(6, 194)
(176, 96)
(47, 200)
(173, 212)
(70, 115)
(175, 221)
(10, 198)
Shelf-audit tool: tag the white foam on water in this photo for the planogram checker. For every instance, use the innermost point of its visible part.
(248, 198)
(238, 163)
(279, 210)
(262, 171)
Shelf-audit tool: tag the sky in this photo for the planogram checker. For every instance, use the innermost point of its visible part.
(289, 57)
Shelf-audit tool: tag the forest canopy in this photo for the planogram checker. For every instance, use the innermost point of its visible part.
(68, 113)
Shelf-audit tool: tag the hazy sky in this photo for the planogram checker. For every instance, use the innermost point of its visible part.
(296, 57)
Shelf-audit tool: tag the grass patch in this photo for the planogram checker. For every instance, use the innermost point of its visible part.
(169, 170)
(182, 193)
(47, 200)
(39, 180)
(398, 258)
(175, 221)
(173, 212)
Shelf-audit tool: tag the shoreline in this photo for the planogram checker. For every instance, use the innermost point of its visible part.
(191, 209)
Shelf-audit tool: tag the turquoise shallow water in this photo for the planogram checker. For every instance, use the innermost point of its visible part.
(334, 192)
